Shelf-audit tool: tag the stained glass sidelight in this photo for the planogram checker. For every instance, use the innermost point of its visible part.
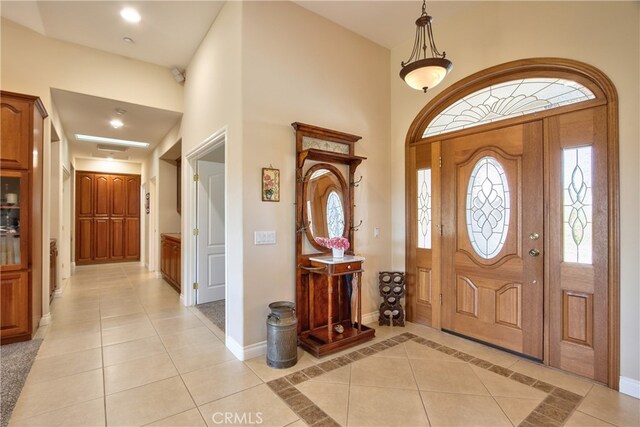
(577, 205)
(424, 208)
(488, 207)
(505, 100)
(335, 215)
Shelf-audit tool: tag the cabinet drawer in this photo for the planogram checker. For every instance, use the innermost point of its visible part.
(347, 267)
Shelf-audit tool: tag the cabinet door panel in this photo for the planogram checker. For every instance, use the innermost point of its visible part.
(102, 196)
(84, 239)
(117, 195)
(15, 134)
(132, 239)
(117, 236)
(14, 297)
(84, 194)
(101, 239)
(164, 256)
(133, 196)
(177, 264)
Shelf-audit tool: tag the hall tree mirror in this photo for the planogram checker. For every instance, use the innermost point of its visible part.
(328, 301)
(325, 211)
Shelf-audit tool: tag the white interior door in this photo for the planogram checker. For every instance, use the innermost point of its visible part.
(211, 241)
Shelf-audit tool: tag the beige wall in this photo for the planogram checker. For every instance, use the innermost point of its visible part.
(326, 89)
(483, 34)
(107, 166)
(213, 101)
(169, 219)
(298, 66)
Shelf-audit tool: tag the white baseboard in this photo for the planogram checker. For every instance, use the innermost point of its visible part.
(158, 275)
(45, 320)
(248, 352)
(370, 317)
(58, 292)
(73, 265)
(630, 387)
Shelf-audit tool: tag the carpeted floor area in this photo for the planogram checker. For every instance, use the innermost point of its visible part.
(15, 364)
(214, 311)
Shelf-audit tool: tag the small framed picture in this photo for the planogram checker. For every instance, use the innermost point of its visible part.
(270, 185)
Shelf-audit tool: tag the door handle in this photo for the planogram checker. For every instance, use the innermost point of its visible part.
(534, 252)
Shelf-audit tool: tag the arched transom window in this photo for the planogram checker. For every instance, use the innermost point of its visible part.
(505, 100)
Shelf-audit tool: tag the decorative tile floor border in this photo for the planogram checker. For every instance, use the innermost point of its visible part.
(553, 411)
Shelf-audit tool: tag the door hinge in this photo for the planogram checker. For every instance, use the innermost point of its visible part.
(196, 177)
(195, 285)
(441, 228)
(440, 161)
(440, 299)
(196, 231)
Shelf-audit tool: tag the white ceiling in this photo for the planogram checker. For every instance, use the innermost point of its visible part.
(387, 23)
(91, 115)
(168, 35)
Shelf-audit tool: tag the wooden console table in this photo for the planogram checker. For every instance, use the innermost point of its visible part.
(324, 339)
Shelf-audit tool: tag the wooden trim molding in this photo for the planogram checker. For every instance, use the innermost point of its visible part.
(606, 95)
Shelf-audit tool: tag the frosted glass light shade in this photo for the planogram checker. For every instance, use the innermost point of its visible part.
(426, 73)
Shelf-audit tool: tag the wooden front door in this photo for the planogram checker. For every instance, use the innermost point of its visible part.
(492, 218)
(524, 213)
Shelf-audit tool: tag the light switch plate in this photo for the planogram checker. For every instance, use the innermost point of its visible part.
(264, 237)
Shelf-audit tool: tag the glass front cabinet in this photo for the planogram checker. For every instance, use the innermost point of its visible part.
(21, 193)
(13, 213)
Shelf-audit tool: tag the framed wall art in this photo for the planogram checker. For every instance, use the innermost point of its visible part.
(270, 185)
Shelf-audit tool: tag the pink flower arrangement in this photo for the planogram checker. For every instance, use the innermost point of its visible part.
(333, 243)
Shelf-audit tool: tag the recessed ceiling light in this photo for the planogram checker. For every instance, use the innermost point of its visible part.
(125, 142)
(120, 111)
(129, 14)
(116, 123)
(128, 40)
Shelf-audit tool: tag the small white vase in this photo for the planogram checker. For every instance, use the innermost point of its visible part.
(338, 253)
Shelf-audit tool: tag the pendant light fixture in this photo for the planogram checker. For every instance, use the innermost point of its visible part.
(420, 71)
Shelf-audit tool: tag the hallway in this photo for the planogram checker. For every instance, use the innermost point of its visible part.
(122, 350)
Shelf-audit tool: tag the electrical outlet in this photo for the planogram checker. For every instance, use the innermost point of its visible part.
(264, 238)
(376, 232)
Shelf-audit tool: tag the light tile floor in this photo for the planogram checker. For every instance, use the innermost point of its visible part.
(122, 351)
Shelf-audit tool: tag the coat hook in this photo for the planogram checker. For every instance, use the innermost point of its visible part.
(357, 227)
(357, 183)
(300, 229)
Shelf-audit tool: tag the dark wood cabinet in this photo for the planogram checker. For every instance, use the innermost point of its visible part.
(16, 126)
(170, 259)
(21, 140)
(53, 267)
(107, 218)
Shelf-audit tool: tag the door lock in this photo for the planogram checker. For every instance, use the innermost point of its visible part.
(534, 252)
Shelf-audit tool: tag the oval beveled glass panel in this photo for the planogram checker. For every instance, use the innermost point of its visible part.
(488, 207)
(325, 204)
